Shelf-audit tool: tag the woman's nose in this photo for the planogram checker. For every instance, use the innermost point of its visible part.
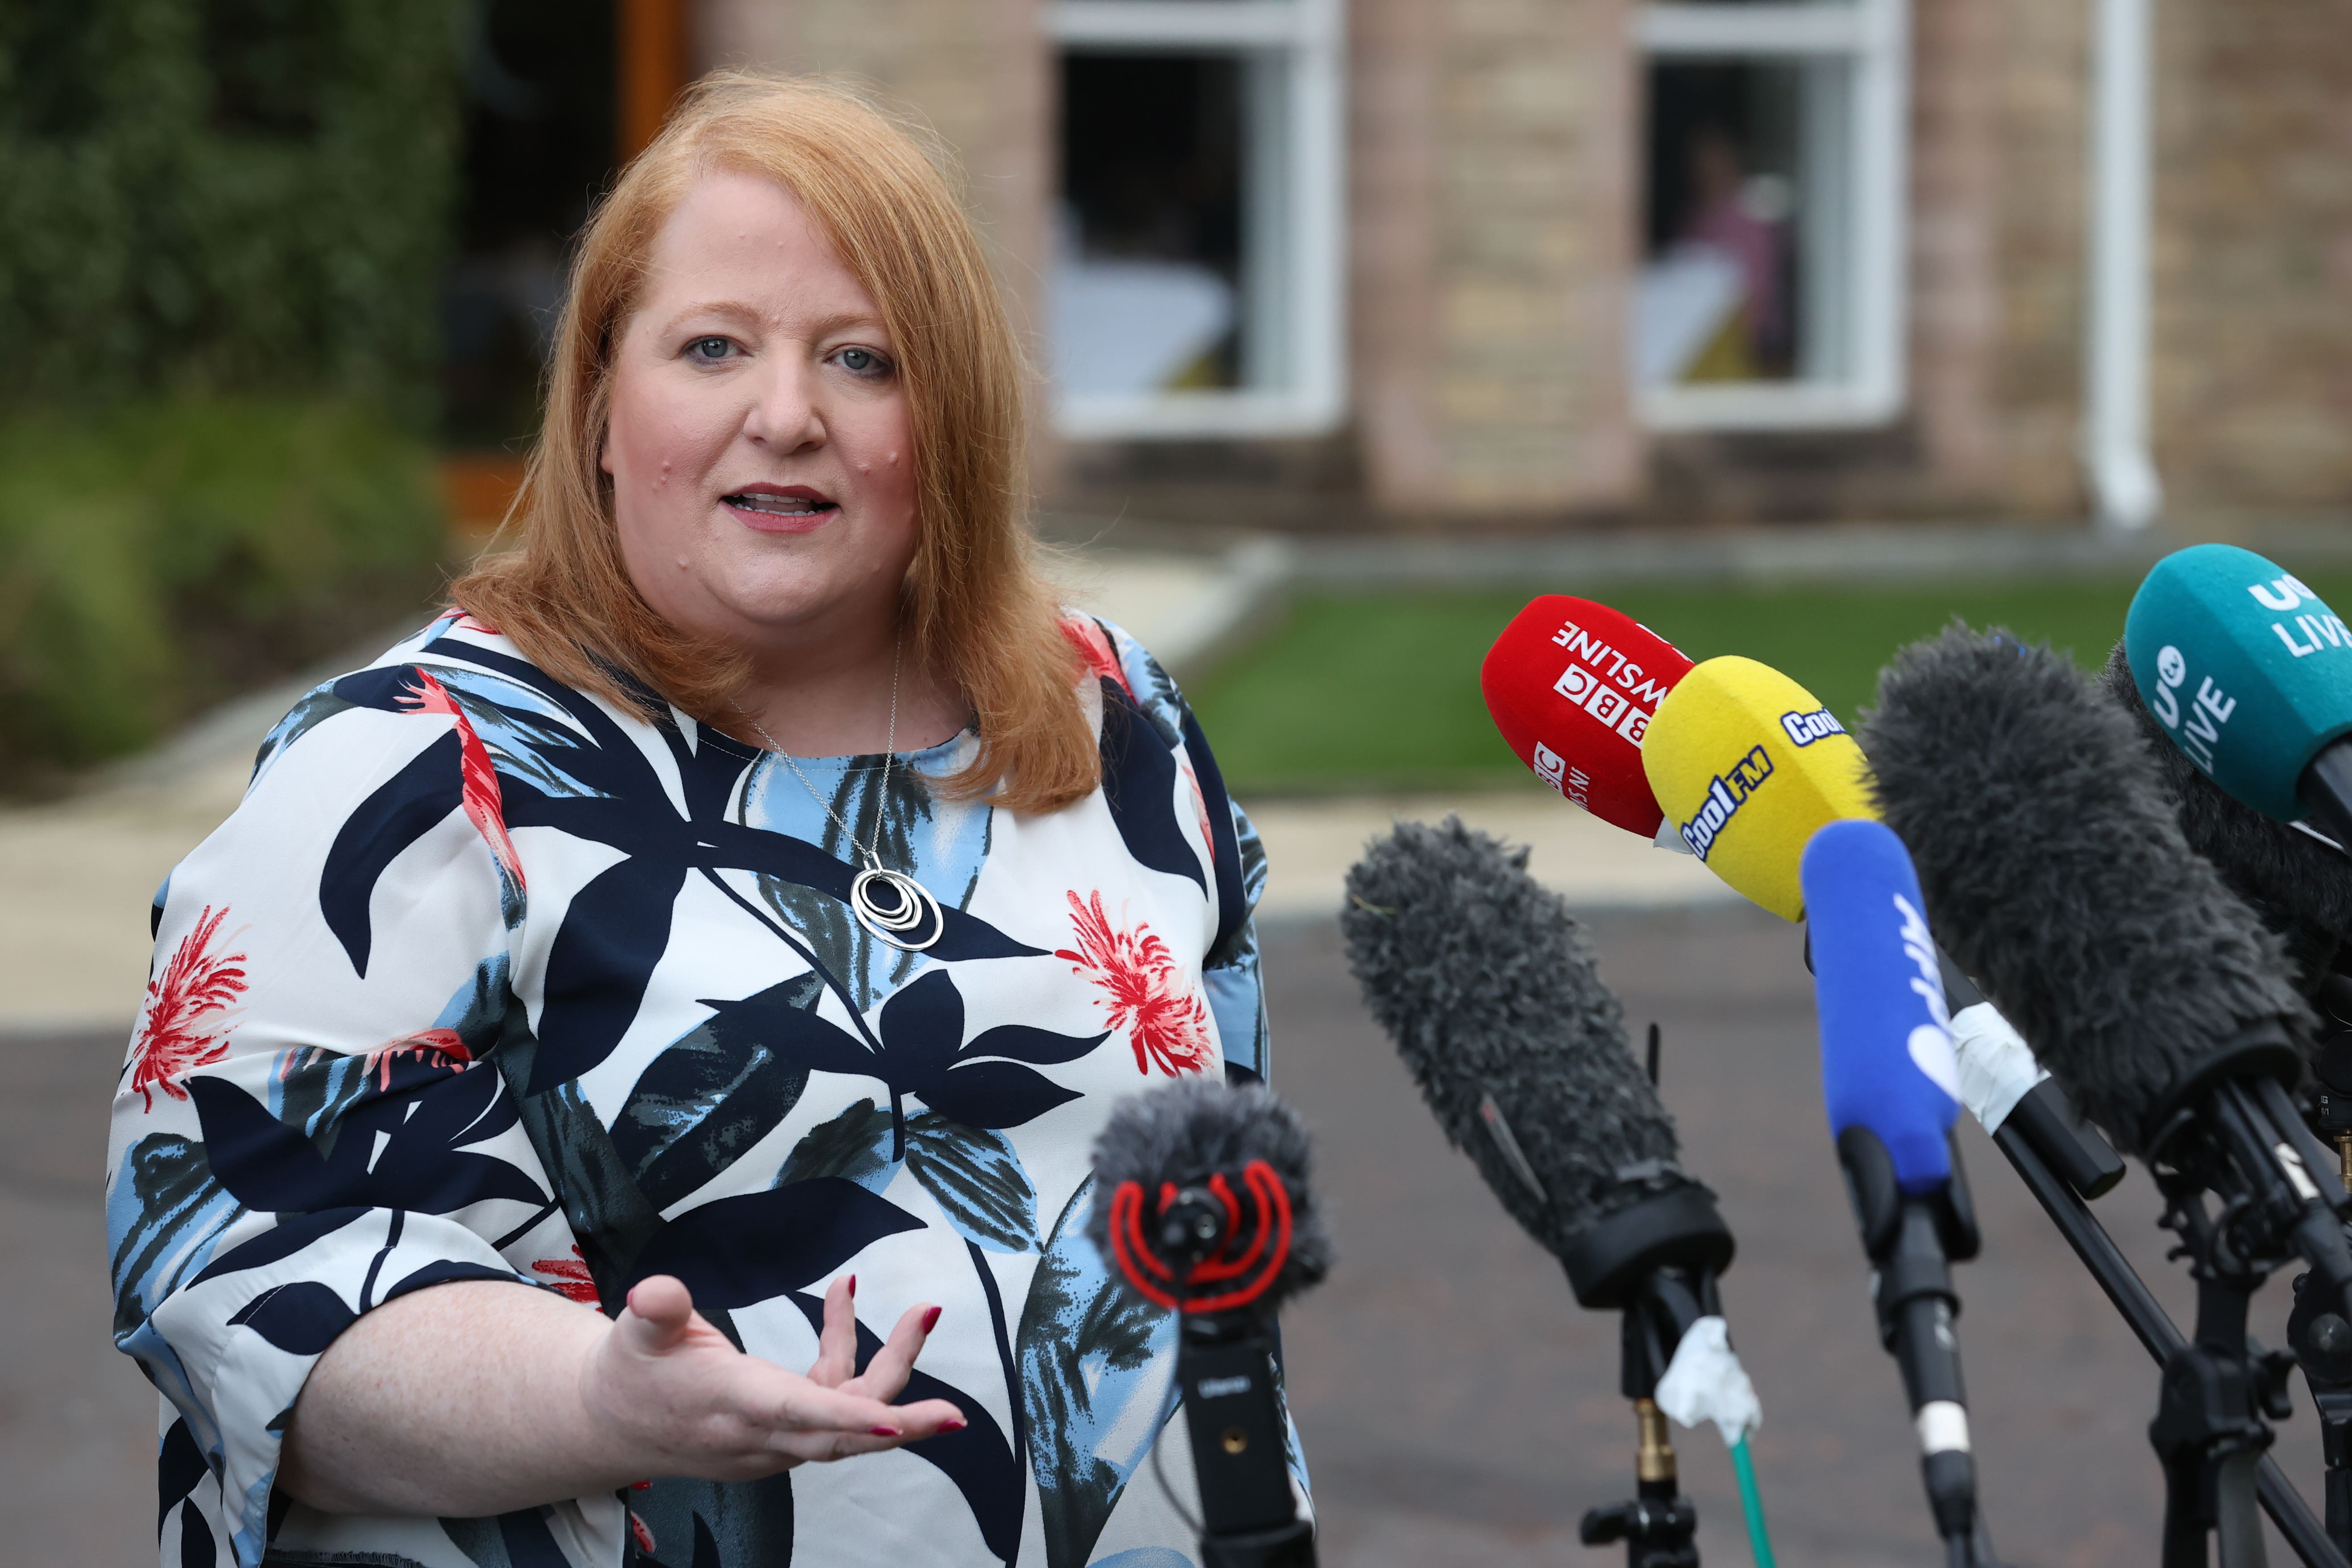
(783, 414)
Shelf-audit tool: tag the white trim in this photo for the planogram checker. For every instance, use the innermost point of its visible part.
(1873, 38)
(1309, 257)
(2114, 440)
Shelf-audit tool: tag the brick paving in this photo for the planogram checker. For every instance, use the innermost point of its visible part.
(1457, 1407)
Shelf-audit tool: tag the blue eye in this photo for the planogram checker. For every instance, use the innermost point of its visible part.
(708, 348)
(863, 361)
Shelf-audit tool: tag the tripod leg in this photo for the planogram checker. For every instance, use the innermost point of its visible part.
(2184, 1515)
(2237, 1520)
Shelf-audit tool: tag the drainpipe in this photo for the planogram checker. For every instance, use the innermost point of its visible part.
(2115, 348)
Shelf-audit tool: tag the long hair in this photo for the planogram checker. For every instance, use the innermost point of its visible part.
(973, 603)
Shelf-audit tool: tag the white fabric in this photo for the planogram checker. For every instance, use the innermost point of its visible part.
(1705, 1382)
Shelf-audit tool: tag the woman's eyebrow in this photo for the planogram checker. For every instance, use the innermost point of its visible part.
(820, 327)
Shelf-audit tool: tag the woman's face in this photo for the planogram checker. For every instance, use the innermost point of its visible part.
(762, 477)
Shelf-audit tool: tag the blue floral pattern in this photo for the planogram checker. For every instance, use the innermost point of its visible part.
(488, 979)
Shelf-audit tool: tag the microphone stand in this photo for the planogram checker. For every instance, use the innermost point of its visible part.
(1657, 1524)
(2156, 1331)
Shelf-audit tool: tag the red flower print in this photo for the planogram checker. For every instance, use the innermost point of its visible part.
(1085, 635)
(434, 1047)
(1140, 980)
(569, 1276)
(644, 1537)
(484, 808)
(183, 1025)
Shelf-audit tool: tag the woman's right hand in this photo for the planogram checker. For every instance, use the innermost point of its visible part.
(673, 1394)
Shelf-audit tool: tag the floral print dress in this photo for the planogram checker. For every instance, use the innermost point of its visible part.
(487, 979)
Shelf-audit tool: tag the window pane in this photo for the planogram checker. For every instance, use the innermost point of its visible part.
(1748, 223)
(1157, 286)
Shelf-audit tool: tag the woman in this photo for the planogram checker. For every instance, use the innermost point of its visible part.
(735, 922)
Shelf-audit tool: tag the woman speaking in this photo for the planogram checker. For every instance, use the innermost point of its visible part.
(707, 951)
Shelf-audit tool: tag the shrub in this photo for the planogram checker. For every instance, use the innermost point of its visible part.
(161, 555)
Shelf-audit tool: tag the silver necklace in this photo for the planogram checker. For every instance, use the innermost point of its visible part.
(890, 905)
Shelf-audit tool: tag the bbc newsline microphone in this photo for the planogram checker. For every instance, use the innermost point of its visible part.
(2250, 673)
(1202, 1207)
(1572, 686)
(1890, 1078)
(1481, 978)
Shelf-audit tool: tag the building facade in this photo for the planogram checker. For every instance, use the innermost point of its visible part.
(1524, 263)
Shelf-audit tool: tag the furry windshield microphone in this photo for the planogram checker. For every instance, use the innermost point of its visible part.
(1202, 1205)
(1202, 1189)
(2300, 888)
(2056, 872)
(1481, 978)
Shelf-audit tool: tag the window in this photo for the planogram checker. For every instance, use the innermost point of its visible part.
(1197, 279)
(1770, 292)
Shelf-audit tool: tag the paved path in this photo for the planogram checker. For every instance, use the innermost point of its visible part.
(1457, 1408)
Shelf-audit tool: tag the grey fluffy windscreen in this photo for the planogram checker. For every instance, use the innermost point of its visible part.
(1484, 982)
(1182, 1133)
(2300, 888)
(2056, 874)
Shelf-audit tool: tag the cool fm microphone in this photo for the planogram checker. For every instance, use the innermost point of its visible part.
(2059, 878)
(1572, 686)
(2250, 674)
(1747, 764)
(1892, 1084)
(1481, 978)
(1202, 1207)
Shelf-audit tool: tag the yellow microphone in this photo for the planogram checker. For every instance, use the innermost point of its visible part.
(1747, 764)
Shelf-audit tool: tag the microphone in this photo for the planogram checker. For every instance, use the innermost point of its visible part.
(1572, 686)
(1891, 1081)
(1747, 764)
(2250, 674)
(2299, 884)
(1481, 978)
(1202, 1207)
(2059, 878)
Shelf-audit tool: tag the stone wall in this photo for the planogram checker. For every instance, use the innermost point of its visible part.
(1493, 144)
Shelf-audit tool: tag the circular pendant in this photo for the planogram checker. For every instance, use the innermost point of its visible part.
(894, 907)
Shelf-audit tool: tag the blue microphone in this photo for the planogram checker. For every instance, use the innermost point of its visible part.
(2250, 674)
(1892, 1083)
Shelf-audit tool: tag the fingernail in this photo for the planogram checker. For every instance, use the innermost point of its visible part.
(930, 1318)
(956, 1425)
(884, 1431)
(853, 1284)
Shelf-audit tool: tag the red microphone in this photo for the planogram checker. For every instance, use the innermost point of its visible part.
(1571, 685)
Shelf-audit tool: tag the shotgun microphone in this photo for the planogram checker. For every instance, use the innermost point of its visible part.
(1202, 1207)
(1891, 1081)
(1571, 685)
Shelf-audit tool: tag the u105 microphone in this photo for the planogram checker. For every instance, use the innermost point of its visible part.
(1747, 764)
(1202, 1206)
(1572, 686)
(1892, 1084)
(2250, 674)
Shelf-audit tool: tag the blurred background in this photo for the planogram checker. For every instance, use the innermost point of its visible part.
(1793, 329)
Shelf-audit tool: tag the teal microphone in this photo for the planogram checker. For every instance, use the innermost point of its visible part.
(2250, 674)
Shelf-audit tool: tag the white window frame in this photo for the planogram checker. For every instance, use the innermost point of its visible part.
(1300, 199)
(1873, 38)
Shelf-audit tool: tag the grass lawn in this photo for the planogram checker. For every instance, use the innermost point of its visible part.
(1381, 691)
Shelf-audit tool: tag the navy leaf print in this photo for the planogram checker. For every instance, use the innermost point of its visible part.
(1225, 839)
(718, 1522)
(715, 1092)
(994, 1094)
(1025, 1043)
(179, 1466)
(166, 1195)
(735, 1251)
(1089, 1349)
(316, 707)
(393, 1151)
(402, 811)
(976, 1178)
(288, 1236)
(977, 1459)
(854, 1145)
(300, 1318)
(611, 937)
(1139, 782)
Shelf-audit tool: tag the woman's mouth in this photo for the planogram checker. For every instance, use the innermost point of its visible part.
(780, 511)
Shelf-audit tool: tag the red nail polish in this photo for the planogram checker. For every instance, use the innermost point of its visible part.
(953, 1425)
(884, 1431)
(931, 1320)
(853, 1285)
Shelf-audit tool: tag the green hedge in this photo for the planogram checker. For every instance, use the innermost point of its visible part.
(222, 229)
(162, 556)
